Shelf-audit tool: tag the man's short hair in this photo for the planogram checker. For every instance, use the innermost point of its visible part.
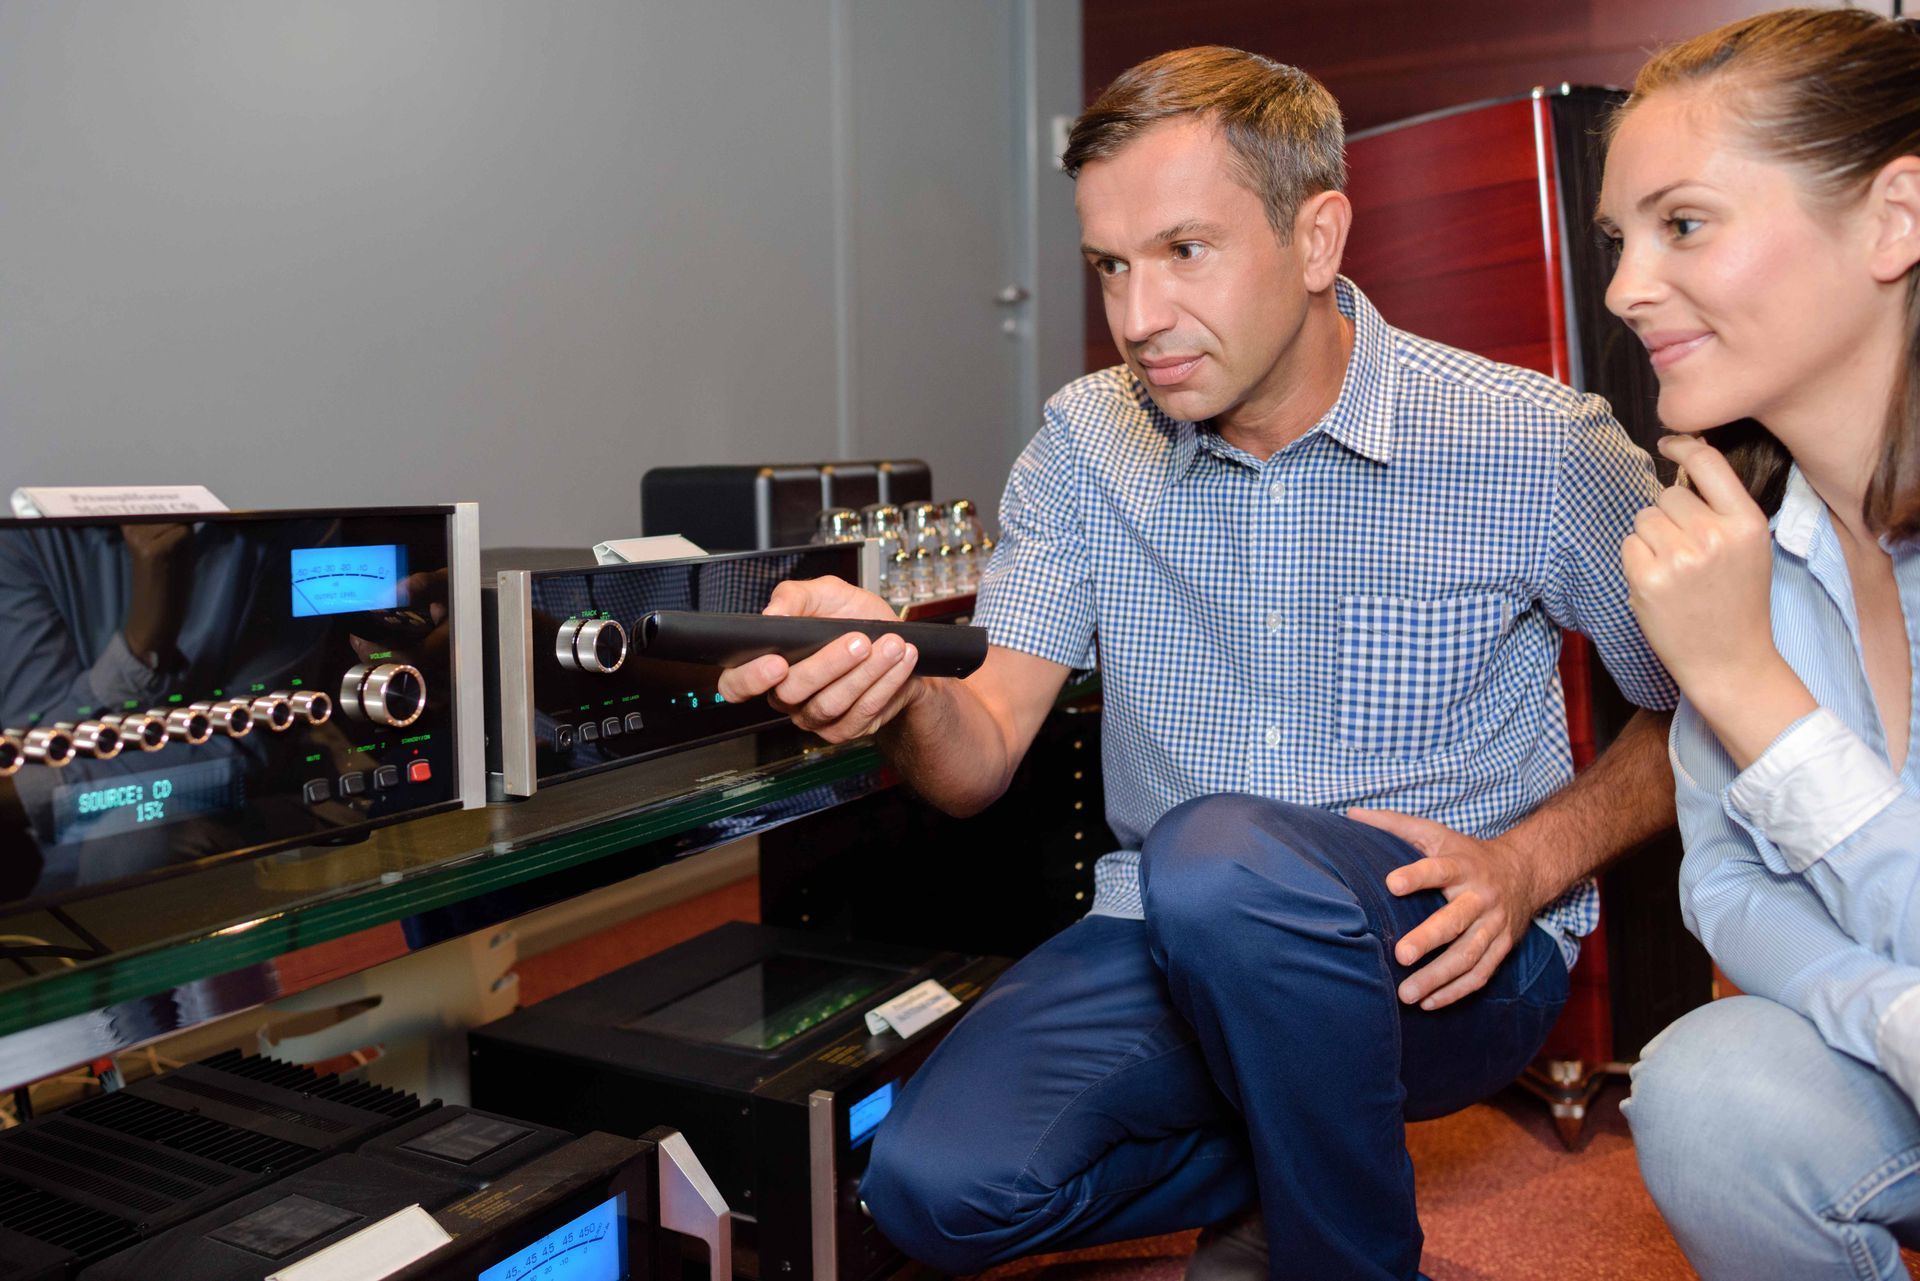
(1281, 124)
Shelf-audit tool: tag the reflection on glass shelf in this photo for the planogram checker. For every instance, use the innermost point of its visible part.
(438, 876)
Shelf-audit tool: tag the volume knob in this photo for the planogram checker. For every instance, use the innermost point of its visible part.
(597, 645)
(392, 694)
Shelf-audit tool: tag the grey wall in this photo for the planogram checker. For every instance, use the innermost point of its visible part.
(378, 251)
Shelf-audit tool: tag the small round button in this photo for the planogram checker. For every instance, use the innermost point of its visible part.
(1273, 736)
(1276, 490)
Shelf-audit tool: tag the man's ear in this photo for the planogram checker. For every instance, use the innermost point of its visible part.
(1894, 200)
(1320, 230)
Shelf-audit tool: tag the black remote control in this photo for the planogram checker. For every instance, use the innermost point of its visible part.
(728, 640)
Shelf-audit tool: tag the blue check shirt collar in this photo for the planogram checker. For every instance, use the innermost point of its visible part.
(1361, 418)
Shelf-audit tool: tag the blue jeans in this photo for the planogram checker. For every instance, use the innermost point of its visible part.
(1771, 1153)
(1243, 1043)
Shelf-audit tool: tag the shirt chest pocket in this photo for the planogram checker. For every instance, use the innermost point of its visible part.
(1409, 669)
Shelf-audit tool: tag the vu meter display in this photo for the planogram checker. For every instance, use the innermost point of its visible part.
(591, 1248)
(347, 580)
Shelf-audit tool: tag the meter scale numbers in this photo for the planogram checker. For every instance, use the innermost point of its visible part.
(345, 580)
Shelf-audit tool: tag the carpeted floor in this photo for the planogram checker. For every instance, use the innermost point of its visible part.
(1501, 1200)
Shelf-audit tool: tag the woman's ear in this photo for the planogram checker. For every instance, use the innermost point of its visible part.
(1894, 200)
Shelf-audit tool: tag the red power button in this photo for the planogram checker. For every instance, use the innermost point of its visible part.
(419, 771)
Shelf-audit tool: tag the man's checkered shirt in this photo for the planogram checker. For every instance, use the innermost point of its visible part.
(1369, 617)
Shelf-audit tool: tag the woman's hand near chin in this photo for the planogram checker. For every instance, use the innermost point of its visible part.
(1699, 569)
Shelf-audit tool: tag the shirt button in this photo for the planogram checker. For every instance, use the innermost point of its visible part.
(1274, 620)
(1276, 490)
(1273, 736)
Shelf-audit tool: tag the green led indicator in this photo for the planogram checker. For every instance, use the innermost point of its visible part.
(385, 653)
(176, 698)
(84, 711)
(131, 703)
(257, 687)
(298, 681)
(313, 758)
(219, 693)
(417, 738)
(608, 703)
(719, 697)
(586, 707)
(629, 698)
(34, 719)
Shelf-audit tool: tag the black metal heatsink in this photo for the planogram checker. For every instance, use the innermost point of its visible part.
(104, 1174)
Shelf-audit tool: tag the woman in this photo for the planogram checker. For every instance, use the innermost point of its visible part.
(1763, 183)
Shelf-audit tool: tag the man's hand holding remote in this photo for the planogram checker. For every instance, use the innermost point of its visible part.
(847, 690)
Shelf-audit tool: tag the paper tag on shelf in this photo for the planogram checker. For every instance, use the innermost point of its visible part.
(634, 551)
(114, 500)
(373, 1252)
(912, 1010)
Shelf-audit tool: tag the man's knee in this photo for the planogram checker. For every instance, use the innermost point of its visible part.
(1229, 866)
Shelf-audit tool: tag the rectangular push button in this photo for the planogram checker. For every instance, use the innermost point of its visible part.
(318, 791)
(353, 783)
(635, 722)
(609, 727)
(386, 776)
(419, 771)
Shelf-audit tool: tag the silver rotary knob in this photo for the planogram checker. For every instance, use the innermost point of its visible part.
(145, 730)
(274, 710)
(314, 705)
(45, 745)
(596, 645)
(94, 738)
(188, 724)
(392, 694)
(13, 754)
(230, 716)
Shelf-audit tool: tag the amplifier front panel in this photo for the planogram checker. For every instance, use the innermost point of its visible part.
(575, 696)
(178, 688)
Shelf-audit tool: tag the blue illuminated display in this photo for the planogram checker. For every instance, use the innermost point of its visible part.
(591, 1248)
(127, 800)
(864, 1117)
(346, 580)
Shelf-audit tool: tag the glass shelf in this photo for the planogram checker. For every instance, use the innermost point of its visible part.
(104, 973)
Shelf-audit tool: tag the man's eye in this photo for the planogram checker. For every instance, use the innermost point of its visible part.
(1109, 266)
(1188, 250)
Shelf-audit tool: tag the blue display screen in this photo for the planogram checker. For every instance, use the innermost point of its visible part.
(118, 801)
(591, 1248)
(347, 580)
(864, 1117)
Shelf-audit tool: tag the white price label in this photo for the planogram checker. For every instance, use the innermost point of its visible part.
(912, 1010)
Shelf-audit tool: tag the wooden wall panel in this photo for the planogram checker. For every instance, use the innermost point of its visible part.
(1468, 182)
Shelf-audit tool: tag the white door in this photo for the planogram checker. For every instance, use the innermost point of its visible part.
(957, 318)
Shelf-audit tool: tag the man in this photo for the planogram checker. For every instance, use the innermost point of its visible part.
(1321, 564)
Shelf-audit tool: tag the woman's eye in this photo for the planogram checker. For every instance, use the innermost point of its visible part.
(1682, 227)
